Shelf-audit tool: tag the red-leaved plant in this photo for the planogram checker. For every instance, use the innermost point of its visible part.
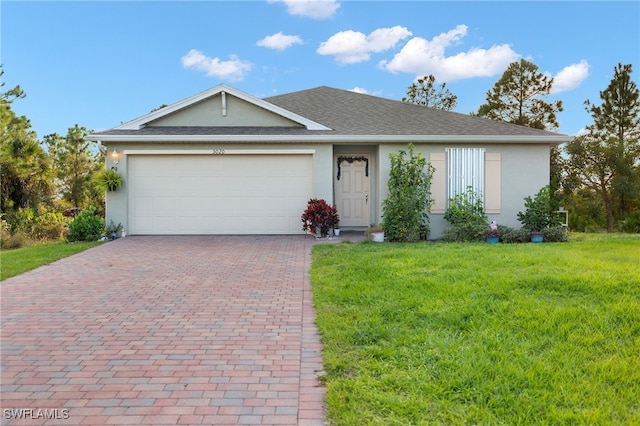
(319, 217)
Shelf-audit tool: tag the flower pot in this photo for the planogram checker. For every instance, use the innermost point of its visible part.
(537, 237)
(493, 240)
(377, 237)
(336, 231)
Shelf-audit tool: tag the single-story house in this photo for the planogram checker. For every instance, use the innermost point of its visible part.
(226, 162)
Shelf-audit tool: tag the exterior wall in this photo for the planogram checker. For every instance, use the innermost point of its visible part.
(524, 170)
(117, 202)
(209, 113)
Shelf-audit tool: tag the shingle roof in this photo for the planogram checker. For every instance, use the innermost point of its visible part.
(351, 116)
(352, 113)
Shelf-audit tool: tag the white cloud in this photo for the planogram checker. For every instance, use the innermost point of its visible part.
(279, 41)
(316, 9)
(350, 47)
(234, 69)
(570, 77)
(360, 90)
(423, 57)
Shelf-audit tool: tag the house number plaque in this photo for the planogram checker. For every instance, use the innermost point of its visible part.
(218, 151)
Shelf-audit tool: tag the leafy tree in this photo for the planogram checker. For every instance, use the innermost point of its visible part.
(406, 209)
(607, 158)
(425, 93)
(517, 98)
(75, 163)
(25, 178)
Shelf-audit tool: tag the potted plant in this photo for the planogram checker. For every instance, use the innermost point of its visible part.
(493, 233)
(112, 230)
(319, 217)
(108, 180)
(336, 229)
(376, 233)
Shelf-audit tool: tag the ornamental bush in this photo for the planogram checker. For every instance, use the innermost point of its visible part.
(466, 215)
(86, 226)
(319, 217)
(540, 211)
(406, 210)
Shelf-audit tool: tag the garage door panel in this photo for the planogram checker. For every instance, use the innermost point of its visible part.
(235, 194)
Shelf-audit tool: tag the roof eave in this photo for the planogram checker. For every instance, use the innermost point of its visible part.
(552, 140)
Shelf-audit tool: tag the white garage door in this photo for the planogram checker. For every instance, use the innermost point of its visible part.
(218, 194)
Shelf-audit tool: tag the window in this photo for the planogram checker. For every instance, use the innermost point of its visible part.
(465, 168)
(458, 168)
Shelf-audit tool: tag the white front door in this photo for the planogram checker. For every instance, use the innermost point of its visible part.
(352, 190)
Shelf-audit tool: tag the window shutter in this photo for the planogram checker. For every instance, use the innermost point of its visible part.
(493, 184)
(438, 182)
(465, 168)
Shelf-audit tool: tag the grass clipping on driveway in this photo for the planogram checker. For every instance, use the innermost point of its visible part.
(480, 334)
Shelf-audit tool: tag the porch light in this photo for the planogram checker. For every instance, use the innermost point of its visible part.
(115, 156)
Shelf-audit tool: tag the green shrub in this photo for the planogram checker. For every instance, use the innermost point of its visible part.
(514, 236)
(12, 241)
(631, 223)
(49, 226)
(21, 220)
(406, 210)
(540, 211)
(86, 226)
(556, 234)
(466, 216)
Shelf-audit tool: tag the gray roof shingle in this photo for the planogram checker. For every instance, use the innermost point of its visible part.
(352, 113)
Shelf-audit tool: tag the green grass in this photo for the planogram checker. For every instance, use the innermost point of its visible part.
(434, 333)
(18, 261)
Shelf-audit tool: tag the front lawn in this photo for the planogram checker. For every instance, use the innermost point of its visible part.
(477, 333)
(18, 261)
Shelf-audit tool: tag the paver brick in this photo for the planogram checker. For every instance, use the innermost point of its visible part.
(167, 330)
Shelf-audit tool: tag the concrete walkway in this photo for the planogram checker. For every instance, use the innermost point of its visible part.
(165, 330)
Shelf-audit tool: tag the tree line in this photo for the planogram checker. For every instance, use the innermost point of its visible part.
(596, 176)
(41, 179)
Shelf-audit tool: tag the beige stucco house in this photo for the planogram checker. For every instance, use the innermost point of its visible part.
(226, 162)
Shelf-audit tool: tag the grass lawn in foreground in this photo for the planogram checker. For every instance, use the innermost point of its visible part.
(18, 261)
(476, 333)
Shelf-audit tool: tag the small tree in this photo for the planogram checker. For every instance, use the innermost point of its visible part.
(424, 93)
(540, 211)
(406, 209)
(517, 97)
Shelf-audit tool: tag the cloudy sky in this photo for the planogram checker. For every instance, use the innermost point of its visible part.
(100, 63)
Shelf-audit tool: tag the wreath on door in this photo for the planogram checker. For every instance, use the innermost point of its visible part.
(350, 160)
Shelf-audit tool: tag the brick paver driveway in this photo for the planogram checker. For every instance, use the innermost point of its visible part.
(165, 330)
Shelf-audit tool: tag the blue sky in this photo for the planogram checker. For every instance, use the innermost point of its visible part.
(100, 63)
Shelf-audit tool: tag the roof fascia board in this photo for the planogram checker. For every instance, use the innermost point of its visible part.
(559, 139)
(138, 123)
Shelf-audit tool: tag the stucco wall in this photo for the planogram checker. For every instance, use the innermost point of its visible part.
(524, 170)
(117, 202)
